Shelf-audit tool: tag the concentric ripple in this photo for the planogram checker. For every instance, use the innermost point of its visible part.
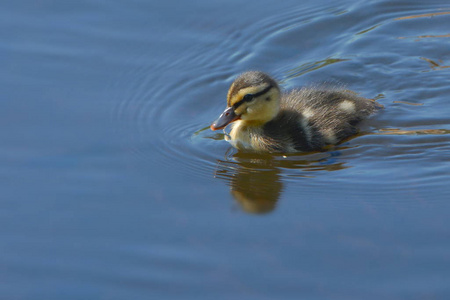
(165, 107)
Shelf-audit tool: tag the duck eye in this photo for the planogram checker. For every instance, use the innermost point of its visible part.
(248, 97)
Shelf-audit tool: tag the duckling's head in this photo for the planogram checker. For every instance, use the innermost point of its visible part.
(254, 97)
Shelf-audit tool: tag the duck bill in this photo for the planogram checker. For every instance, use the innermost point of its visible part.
(225, 118)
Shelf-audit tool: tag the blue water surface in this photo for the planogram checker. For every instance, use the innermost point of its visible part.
(113, 187)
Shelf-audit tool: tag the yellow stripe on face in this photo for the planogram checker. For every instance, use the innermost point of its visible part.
(242, 92)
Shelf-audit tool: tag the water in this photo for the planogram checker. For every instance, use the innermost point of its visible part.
(113, 187)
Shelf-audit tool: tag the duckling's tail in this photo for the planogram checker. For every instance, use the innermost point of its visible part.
(377, 104)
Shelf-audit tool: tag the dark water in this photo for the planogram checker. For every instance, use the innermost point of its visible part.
(112, 187)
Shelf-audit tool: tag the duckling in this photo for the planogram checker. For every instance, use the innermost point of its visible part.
(308, 119)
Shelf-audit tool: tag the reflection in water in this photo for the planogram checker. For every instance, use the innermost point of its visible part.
(312, 66)
(256, 180)
(423, 16)
(407, 103)
(258, 190)
(396, 131)
(435, 65)
(418, 38)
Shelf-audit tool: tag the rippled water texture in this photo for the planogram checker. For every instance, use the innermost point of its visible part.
(115, 188)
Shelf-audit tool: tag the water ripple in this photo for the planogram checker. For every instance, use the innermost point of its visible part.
(165, 108)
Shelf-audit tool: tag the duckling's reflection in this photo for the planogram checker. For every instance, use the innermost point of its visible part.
(256, 180)
(257, 192)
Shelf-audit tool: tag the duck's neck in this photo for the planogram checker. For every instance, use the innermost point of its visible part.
(243, 127)
(244, 134)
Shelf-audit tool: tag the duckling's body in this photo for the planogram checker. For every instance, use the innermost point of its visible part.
(266, 120)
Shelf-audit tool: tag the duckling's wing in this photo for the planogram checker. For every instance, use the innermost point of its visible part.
(287, 133)
(328, 116)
